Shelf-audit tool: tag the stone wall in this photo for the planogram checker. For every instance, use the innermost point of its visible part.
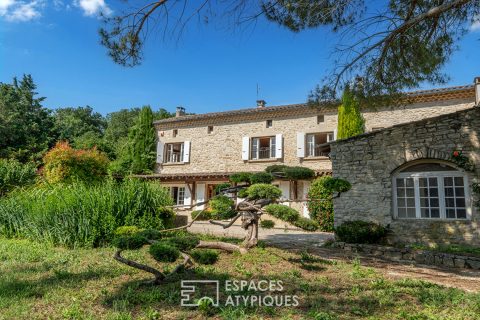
(368, 161)
(221, 150)
(409, 254)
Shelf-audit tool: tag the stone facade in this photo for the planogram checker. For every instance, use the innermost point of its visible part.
(369, 160)
(221, 150)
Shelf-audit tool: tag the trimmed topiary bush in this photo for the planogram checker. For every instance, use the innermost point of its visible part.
(306, 224)
(298, 173)
(129, 242)
(320, 200)
(222, 207)
(276, 168)
(222, 186)
(242, 193)
(282, 212)
(204, 256)
(183, 243)
(241, 177)
(164, 252)
(263, 191)
(151, 234)
(261, 177)
(360, 232)
(267, 224)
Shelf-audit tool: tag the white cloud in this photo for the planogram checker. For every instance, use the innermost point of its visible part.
(475, 26)
(93, 7)
(5, 5)
(14, 10)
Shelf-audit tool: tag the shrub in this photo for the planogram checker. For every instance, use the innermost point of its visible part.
(222, 186)
(14, 174)
(282, 212)
(320, 201)
(267, 224)
(306, 224)
(241, 177)
(183, 243)
(65, 164)
(222, 207)
(204, 256)
(360, 232)
(298, 173)
(276, 168)
(129, 242)
(242, 193)
(263, 191)
(164, 252)
(261, 177)
(81, 215)
(127, 231)
(151, 234)
(202, 215)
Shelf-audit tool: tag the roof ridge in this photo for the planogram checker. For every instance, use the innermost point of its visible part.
(412, 94)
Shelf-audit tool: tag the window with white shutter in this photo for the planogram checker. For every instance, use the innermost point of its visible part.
(300, 144)
(160, 146)
(186, 151)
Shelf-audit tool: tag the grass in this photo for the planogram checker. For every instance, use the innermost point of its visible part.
(451, 248)
(45, 282)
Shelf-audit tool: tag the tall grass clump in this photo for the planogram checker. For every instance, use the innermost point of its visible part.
(14, 174)
(82, 215)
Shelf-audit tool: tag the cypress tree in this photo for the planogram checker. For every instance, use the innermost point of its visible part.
(142, 142)
(350, 120)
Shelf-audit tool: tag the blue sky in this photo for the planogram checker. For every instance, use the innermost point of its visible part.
(209, 69)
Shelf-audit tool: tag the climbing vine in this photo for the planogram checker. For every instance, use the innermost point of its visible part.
(462, 160)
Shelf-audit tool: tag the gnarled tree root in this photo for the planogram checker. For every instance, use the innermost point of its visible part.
(159, 276)
(229, 247)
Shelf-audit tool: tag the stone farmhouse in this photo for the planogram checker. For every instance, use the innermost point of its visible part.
(197, 152)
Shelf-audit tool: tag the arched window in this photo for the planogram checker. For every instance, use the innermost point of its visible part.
(433, 190)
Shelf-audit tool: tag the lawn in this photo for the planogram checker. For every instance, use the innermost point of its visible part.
(40, 282)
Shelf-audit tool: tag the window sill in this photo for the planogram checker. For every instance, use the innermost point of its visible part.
(433, 219)
(315, 158)
(263, 160)
(173, 164)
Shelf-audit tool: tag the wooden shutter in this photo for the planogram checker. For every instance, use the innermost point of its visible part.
(200, 195)
(186, 151)
(300, 144)
(160, 146)
(187, 200)
(245, 148)
(278, 146)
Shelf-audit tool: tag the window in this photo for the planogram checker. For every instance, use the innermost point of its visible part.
(320, 118)
(210, 129)
(430, 191)
(178, 195)
(174, 152)
(175, 132)
(269, 123)
(262, 148)
(316, 144)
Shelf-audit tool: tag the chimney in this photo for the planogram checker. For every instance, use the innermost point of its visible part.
(180, 112)
(476, 82)
(261, 103)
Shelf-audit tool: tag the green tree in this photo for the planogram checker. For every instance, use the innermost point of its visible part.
(402, 43)
(71, 123)
(350, 119)
(142, 142)
(25, 125)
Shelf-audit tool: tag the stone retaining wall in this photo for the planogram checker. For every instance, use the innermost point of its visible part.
(414, 255)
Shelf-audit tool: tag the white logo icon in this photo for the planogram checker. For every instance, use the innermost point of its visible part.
(190, 287)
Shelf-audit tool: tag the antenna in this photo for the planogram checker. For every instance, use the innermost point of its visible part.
(258, 90)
